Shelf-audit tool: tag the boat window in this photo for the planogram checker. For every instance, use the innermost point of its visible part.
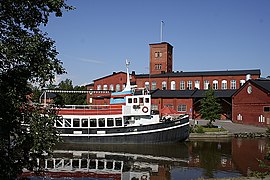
(118, 121)
(101, 122)
(109, 165)
(76, 122)
(101, 165)
(75, 163)
(84, 122)
(129, 100)
(135, 100)
(84, 163)
(93, 122)
(146, 100)
(141, 100)
(67, 122)
(117, 166)
(92, 164)
(59, 122)
(110, 122)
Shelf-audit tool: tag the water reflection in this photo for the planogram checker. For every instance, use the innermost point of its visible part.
(189, 160)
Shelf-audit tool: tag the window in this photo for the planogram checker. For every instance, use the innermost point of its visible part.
(93, 122)
(147, 85)
(158, 54)
(98, 87)
(266, 109)
(164, 85)
(189, 85)
(135, 100)
(146, 100)
(233, 84)
(111, 87)
(67, 122)
(76, 122)
(123, 86)
(154, 85)
(169, 105)
(101, 122)
(173, 85)
(90, 100)
(224, 84)
(141, 100)
(84, 122)
(206, 84)
(129, 100)
(118, 121)
(215, 84)
(197, 84)
(158, 66)
(110, 122)
(105, 87)
(242, 82)
(182, 85)
(117, 88)
(182, 108)
(154, 107)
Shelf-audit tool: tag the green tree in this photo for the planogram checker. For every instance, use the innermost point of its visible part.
(27, 56)
(210, 107)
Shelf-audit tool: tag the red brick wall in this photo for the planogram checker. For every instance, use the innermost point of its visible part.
(251, 106)
(174, 102)
(141, 81)
(165, 59)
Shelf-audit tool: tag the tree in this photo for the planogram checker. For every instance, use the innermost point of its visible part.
(210, 107)
(27, 56)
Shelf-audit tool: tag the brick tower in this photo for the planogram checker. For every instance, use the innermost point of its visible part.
(161, 58)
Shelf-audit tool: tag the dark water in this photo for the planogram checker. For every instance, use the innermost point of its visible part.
(188, 160)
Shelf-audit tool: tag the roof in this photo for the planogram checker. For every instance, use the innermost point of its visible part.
(114, 73)
(203, 73)
(262, 83)
(197, 93)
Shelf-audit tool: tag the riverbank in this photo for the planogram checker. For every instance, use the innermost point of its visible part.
(232, 130)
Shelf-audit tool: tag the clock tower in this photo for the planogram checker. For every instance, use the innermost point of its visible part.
(161, 58)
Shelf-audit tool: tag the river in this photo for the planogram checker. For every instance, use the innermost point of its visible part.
(233, 157)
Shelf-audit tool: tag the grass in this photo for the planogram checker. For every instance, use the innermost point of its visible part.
(202, 129)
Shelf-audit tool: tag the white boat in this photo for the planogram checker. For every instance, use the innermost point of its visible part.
(127, 120)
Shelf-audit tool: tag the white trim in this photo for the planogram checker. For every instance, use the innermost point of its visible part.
(129, 133)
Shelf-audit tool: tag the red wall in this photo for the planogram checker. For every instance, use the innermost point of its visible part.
(251, 106)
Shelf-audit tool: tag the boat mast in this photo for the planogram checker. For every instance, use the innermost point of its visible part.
(128, 86)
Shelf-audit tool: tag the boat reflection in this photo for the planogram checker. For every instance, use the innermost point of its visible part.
(114, 161)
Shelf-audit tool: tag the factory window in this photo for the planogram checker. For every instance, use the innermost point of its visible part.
(215, 84)
(154, 85)
(147, 85)
(189, 85)
(173, 85)
(182, 108)
(182, 85)
(224, 84)
(158, 66)
(233, 84)
(158, 54)
(111, 87)
(266, 109)
(164, 85)
(242, 82)
(117, 88)
(197, 84)
(105, 87)
(99, 87)
(206, 84)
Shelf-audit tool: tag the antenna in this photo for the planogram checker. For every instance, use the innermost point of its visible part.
(128, 87)
(161, 30)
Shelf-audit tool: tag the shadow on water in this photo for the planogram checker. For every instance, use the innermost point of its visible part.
(188, 160)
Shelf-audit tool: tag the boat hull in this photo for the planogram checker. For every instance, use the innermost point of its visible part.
(165, 132)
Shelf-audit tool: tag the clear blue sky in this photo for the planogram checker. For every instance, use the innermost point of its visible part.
(97, 37)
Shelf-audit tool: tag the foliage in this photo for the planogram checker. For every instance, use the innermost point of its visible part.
(198, 129)
(210, 107)
(27, 56)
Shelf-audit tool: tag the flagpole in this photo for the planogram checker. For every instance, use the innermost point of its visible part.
(161, 31)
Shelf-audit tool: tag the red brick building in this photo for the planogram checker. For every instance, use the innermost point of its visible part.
(180, 90)
(251, 103)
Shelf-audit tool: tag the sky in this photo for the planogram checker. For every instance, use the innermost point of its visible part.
(96, 38)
